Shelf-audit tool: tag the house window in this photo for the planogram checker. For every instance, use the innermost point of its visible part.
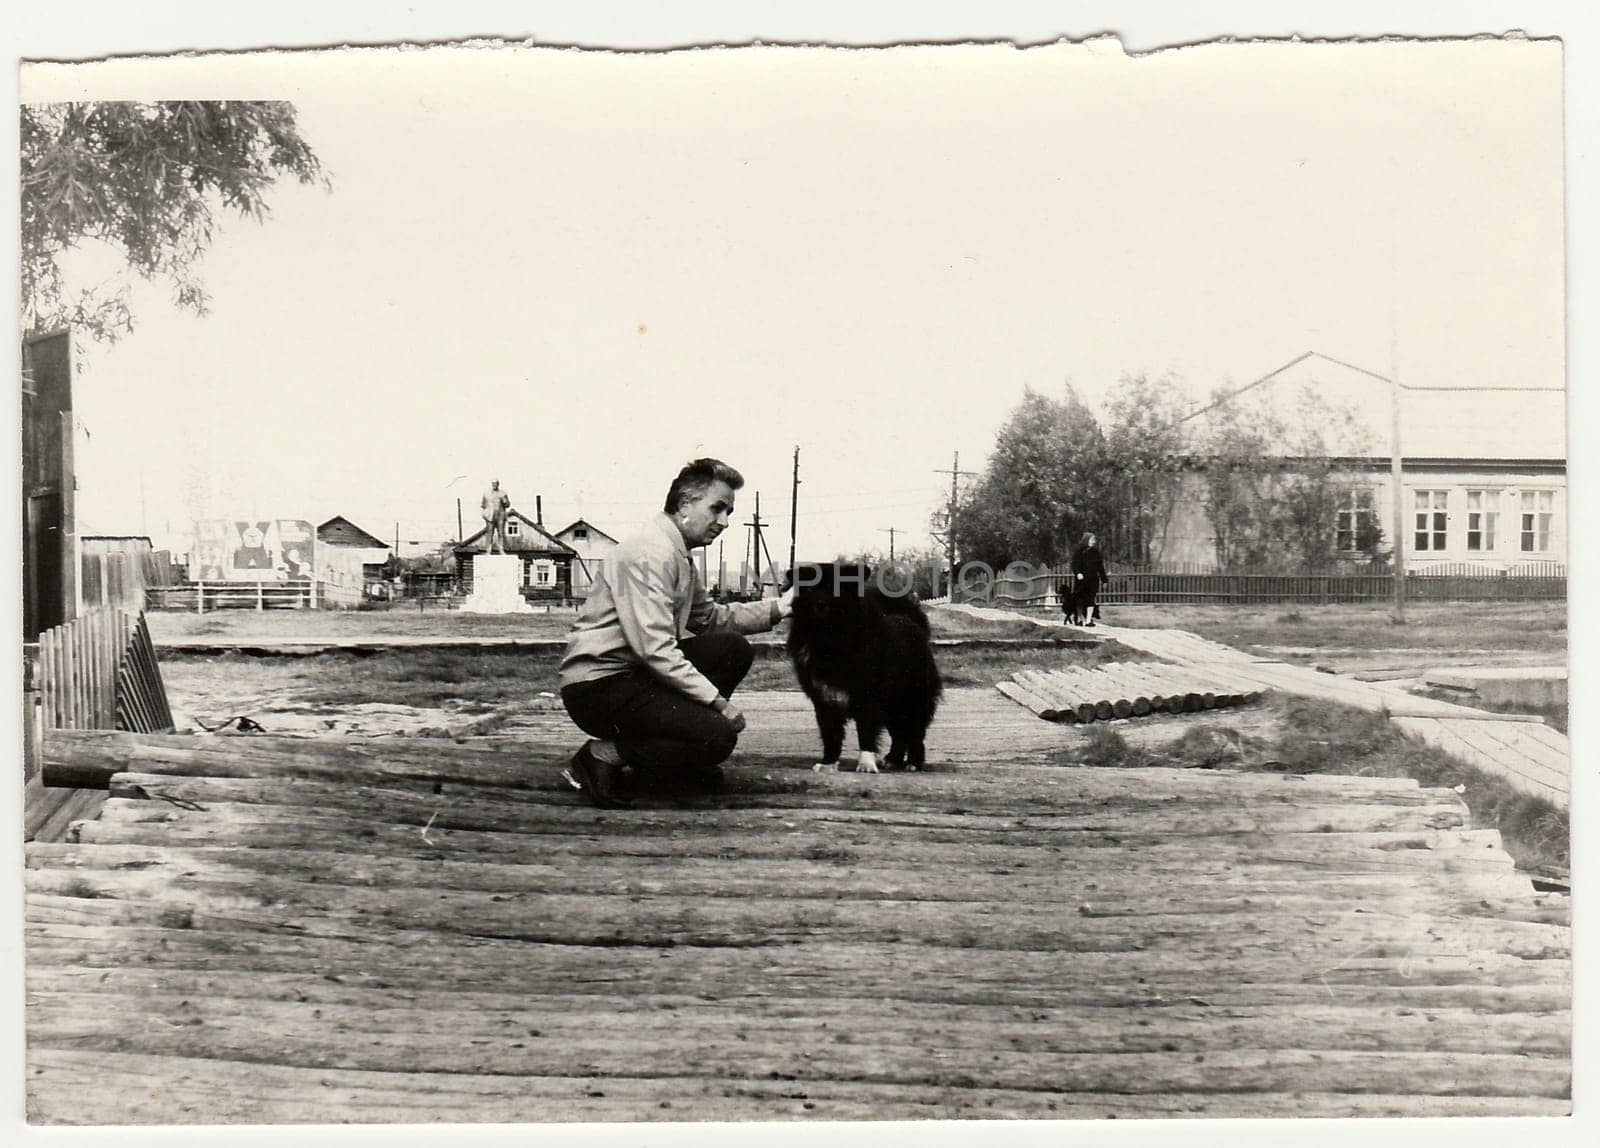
(1483, 519)
(1537, 507)
(541, 573)
(513, 528)
(580, 534)
(1355, 519)
(1432, 517)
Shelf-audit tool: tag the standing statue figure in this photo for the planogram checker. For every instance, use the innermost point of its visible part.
(496, 503)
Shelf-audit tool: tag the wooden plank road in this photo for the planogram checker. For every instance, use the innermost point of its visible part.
(1528, 755)
(262, 929)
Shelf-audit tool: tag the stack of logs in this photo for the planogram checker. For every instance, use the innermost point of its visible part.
(1126, 689)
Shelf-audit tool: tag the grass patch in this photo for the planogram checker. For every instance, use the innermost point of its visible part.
(1443, 628)
(955, 624)
(431, 678)
(1324, 737)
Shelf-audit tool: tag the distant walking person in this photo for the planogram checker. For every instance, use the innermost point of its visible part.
(652, 661)
(496, 504)
(1088, 578)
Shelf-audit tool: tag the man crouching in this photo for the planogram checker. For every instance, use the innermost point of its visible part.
(652, 661)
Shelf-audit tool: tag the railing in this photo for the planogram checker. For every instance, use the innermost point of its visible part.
(1536, 582)
(300, 595)
(99, 671)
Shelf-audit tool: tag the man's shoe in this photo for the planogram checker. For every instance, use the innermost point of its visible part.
(595, 779)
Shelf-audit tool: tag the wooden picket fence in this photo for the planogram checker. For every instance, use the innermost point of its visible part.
(1159, 586)
(99, 671)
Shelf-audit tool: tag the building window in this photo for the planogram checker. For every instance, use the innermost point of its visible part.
(1537, 507)
(1432, 513)
(1354, 523)
(1483, 519)
(543, 573)
(580, 534)
(513, 528)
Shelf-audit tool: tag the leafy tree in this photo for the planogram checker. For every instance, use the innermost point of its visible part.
(1045, 483)
(143, 179)
(1273, 479)
(1145, 464)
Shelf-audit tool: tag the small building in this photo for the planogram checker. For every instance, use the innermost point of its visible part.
(546, 561)
(431, 574)
(591, 548)
(342, 545)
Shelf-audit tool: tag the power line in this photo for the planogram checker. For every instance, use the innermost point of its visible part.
(1298, 359)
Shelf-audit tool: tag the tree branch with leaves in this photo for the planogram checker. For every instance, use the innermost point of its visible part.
(146, 180)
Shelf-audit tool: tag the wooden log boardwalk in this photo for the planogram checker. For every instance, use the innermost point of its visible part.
(1527, 754)
(260, 929)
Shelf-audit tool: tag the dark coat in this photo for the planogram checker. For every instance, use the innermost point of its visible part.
(1087, 561)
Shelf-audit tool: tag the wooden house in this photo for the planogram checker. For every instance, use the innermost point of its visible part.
(591, 547)
(341, 544)
(546, 560)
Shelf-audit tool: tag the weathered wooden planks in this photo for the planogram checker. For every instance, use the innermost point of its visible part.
(287, 929)
(190, 1090)
(1517, 747)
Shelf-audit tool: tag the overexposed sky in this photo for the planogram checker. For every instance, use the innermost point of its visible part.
(575, 270)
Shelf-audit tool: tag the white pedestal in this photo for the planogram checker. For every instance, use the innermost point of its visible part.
(496, 586)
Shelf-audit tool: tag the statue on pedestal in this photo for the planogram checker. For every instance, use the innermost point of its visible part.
(496, 503)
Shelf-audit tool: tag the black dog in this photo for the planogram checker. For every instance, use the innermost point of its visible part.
(1072, 604)
(863, 655)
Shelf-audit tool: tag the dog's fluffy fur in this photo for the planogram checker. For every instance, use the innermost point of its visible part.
(862, 655)
(1073, 605)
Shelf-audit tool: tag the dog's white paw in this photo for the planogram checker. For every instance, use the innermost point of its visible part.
(867, 762)
(825, 767)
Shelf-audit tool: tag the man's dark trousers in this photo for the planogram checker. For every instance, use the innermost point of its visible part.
(657, 730)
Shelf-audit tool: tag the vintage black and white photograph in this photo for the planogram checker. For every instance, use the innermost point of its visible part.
(802, 584)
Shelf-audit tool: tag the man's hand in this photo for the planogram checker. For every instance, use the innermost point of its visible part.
(786, 602)
(731, 712)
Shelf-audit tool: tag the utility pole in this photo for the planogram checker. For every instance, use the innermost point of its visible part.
(755, 525)
(794, 508)
(460, 533)
(956, 473)
(1395, 479)
(890, 531)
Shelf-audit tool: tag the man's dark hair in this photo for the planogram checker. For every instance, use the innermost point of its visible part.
(693, 479)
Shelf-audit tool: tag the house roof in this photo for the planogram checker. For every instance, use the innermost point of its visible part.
(340, 531)
(593, 529)
(530, 538)
(1515, 420)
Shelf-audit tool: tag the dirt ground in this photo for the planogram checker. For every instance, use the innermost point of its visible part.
(1346, 638)
(463, 692)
